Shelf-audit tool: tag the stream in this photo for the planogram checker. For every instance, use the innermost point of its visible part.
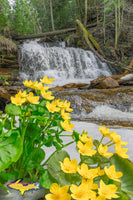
(92, 108)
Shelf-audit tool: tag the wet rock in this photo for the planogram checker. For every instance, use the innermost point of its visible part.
(69, 86)
(5, 94)
(104, 83)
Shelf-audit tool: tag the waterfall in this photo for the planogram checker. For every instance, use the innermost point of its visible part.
(64, 64)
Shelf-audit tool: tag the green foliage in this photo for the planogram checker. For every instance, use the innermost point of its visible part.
(126, 167)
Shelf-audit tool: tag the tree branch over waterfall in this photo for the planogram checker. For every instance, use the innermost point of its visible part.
(93, 45)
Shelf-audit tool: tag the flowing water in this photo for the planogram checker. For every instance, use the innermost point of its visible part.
(64, 64)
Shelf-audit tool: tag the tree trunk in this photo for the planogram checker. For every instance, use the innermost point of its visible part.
(116, 26)
(51, 12)
(85, 19)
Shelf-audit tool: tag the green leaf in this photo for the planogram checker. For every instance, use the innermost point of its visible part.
(1, 127)
(122, 197)
(12, 109)
(34, 158)
(54, 165)
(46, 181)
(10, 149)
(96, 143)
(4, 177)
(88, 160)
(126, 167)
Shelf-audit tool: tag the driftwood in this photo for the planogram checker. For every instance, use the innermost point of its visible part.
(53, 33)
(91, 42)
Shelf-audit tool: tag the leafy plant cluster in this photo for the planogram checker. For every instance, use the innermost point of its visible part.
(98, 176)
(40, 123)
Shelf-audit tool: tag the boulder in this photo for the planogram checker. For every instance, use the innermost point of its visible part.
(104, 83)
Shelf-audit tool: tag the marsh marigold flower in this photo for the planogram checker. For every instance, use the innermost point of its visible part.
(112, 174)
(69, 166)
(104, 131)
(58, 193)
(21, 94)
(121, 151)
(65, 115)
(67, 126)
(80, 192)
(47, 95)
(86, 149)
(84, 138)
(33, 99)
(45, 80)
(102, 150)
(18, 100)
(52, 107)
(28, 83)
(89, 183)
(107, 191)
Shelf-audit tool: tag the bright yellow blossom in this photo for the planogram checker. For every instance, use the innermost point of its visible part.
(58, 193)
(21, 94)
(33, 99)
(45, 80)
(107, 191)
(38, 86)
(121, 151)
(67, 126)
(80, 192)
(104, 131)
(69, 166)
(65, 105)
(87, 173)
(90, 184)
(47, 95)
(52, 107)
(64, 115)
(112, 174)
(86, 149)
(18, 100)
(28, 83)
(102, 150)
(84, 138)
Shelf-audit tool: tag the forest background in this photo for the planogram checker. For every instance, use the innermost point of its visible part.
(110, 19)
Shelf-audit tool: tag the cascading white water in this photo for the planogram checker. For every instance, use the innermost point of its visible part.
(64, 64)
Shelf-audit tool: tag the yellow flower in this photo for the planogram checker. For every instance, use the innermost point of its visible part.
(86, 149)
(58, 193)
(33, 99)
(47, 95)
(84, 138)
(52, 107)
(87, 173)
(18, 100)
(107, 191)
(80, 192)
(21, 94)
(102, 150)
(68, 166)
(45, 80)
(28, 83)
(65, 105)
(83, 170)
(39, 86)
(121, 151)
(100, 172)
(112, 174)
(90, 184)
(104, 131)
(67, 126)
(117, 138)
(64, 115)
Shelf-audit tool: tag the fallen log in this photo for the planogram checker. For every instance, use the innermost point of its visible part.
(53, 33)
